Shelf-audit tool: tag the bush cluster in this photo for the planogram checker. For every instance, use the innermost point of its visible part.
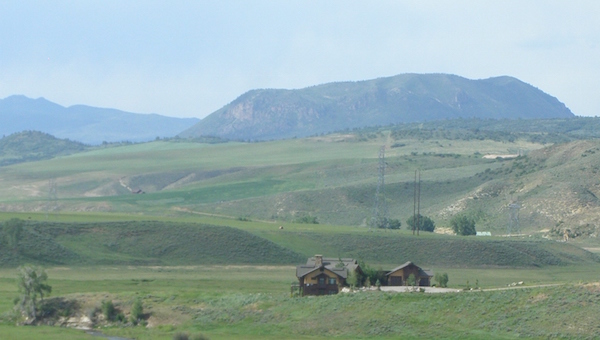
(463, 225)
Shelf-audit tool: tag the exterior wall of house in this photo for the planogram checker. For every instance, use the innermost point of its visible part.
(425, 282)
(312, 278)
(321, 283)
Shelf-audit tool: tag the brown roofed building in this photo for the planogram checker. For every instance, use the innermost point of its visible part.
(324, 275)
(399, 275)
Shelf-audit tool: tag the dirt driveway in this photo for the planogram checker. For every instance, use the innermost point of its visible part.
(407, 289)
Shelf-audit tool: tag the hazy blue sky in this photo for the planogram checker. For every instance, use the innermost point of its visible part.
(189, 58)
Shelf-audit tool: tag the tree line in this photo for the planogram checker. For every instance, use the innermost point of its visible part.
(461, 224)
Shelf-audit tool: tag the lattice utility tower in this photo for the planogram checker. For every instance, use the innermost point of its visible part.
(513, 224)
(417, 202)
(379, 218)
(52, 197)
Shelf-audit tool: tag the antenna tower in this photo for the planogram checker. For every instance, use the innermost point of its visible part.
(379, 218)
(513, 224)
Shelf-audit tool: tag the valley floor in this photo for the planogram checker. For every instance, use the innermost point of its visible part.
(254, 302)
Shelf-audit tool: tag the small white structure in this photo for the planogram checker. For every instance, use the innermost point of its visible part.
(484, 233)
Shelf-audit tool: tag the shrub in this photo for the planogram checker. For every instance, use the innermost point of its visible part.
(463, 225)
(108, 310)
(425, 223)
(185, 336)
(11, 232)
(307, 220)
(91, 312)
(387, 223)
(137, 311)
(370, 275)
(441, 279)
(394, 223)
(353, 280)
(181, 336)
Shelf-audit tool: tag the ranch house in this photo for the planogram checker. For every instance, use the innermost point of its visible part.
(399, 275)
(323, 275)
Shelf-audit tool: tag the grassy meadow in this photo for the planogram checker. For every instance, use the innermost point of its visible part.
(196, 288)
(211, 245)
(252, 302)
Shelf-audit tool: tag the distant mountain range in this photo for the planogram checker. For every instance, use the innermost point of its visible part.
(278, 114)
(85, 124)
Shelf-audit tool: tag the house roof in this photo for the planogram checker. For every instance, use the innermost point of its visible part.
(302, 271)
(427, 272)
(401, 266)
(339, 266)
(422, 272)
(347, 262)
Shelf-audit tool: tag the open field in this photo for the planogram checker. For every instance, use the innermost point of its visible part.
(252, 302)
(196, 288)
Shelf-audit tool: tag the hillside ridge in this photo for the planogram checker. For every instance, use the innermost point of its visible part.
(169, 243)
(333, 178)
(265, 114)
(29, 146)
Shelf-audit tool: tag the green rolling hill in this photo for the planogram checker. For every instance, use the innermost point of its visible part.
(332, 178)
(169, 243)
(30, 146)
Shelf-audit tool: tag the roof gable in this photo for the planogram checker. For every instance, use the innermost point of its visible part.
(402, 267)
(422, 272)
(339, 266)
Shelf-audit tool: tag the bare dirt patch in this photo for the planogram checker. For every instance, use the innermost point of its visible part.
(539, 297)
(509, 156)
